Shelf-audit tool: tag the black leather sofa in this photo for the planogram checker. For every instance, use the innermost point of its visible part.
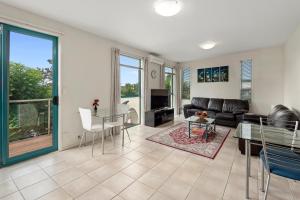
(226, 112)
(279, 116)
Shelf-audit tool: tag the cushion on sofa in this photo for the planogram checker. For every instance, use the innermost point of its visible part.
(192, 111)
(225, 116)
(235, 105)
(200, 103)
(215, 104)
(211, 114)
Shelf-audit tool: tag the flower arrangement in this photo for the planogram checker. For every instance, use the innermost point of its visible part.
(201, 115)
(96, 104)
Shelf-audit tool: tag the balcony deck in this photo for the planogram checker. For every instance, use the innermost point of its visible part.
(28, 145)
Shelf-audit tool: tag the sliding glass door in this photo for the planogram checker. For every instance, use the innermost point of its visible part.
(130, 78)
(29, 94)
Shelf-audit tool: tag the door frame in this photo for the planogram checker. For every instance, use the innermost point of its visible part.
(4, 104)
(139, 79)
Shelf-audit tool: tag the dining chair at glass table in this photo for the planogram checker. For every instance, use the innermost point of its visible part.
(282, 160)
(131, 119)
(112, 119)
(94, 129)
(279, 155)
(120, 122)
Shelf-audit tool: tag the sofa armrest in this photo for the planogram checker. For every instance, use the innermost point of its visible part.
(253, 118)
(240, 112)
(185, 108)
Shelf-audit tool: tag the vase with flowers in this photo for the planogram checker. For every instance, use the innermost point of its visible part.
(95, 105)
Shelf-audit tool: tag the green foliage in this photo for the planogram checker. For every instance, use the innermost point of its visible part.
(27, 83)
(130, 90)
(168, 82)
(185, 90)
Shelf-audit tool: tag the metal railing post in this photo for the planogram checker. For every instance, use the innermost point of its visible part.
(49, 116)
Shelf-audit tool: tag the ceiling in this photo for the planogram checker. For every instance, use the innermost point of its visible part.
(236, 25)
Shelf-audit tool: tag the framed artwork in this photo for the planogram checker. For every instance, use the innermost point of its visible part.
(215, 74)
(201, 76)
(208, 75)
(224, 74)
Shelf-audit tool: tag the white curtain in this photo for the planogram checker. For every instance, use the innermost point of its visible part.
(162, 77)
(178, 87)
(115, 97)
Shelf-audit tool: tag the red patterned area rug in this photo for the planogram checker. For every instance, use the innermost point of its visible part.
(177, 137)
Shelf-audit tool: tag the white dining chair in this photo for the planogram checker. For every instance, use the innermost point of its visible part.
(120, 122)
(89, 127)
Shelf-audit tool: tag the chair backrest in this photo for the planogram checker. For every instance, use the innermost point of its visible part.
(123, 108)
(292, 126)
(132, 117)
(86, 118)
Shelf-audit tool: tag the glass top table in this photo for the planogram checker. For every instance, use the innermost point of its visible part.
(274, 135)
(106, 115)
(207, 123)
(251, 133)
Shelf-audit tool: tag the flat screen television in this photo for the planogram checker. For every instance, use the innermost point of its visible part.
(160, 98)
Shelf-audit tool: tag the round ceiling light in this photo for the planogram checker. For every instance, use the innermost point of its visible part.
(207, 45)
(167, 8)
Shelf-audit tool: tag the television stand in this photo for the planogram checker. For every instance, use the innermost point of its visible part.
(158, 117)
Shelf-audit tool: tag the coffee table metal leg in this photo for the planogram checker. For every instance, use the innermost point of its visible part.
(189, 129)
(206, 132)
(214, 126)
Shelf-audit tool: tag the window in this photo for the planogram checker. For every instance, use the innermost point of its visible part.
(246, 79)
(130, 79)
(186, 83)
(169, 82)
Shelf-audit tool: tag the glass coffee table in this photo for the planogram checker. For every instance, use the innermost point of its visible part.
(207, 123)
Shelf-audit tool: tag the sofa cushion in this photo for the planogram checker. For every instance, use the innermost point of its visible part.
(235, 105)
(225, 116)
(192, 111)
(211, 114)
(200, 103)
(215, 104)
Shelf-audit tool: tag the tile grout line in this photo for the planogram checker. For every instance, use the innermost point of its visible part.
(119, 171)
(229, 174)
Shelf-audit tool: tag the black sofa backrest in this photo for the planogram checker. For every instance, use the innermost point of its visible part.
(233, 105)
(215, 105)
(200, 103)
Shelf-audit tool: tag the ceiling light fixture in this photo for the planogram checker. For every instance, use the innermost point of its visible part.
(207, 45)
(167, 8)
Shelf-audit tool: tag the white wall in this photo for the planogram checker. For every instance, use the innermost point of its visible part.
(85, 70)
(267, 85)
(292, 71)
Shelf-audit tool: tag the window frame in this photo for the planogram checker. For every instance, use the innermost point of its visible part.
(140, 68)
(182, 82)
(172, 73)
(242, 89)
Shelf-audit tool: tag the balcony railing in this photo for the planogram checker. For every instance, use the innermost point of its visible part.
(29, 118)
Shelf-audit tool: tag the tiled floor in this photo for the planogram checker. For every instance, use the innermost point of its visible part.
(141, 170)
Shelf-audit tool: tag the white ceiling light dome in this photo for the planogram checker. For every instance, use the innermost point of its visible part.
(207, 45)
(167, 8)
